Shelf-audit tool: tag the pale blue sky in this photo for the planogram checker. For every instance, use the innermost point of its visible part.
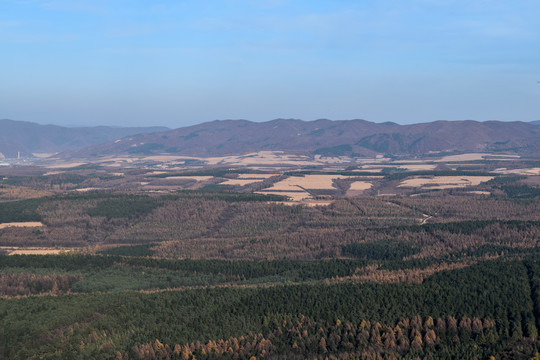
(177, 63)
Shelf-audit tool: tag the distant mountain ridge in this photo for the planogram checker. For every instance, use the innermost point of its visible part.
(28, 138)
(327, 138)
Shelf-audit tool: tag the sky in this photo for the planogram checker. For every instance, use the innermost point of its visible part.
(183, 62)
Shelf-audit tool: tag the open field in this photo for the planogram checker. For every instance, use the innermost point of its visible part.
(417, 167)
(240, 182)
(357, 188)
(66, 165)
(256, 176)
(261, 158)
(477, 156)
(526, 171)
(196, 178)
(32, 251)
(408, 167)
(21, 224)
(360, 185)
(375, 170)
(444, 182)
(324, 182)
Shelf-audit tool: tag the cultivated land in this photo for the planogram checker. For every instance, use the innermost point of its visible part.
(271, 255)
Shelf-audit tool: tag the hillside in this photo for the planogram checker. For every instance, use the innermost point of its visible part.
(29, 138)
(327, 138)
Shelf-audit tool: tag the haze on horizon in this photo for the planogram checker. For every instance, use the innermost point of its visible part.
(178, 63)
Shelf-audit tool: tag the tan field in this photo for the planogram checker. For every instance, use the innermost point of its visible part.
(410, 167)
(307, 182)
(476, 156)
(21, 224)
(42, 155)
(261, 158)
(53, 173)
(333, 160)
(463, 157)
(256, 176)
(165, 158)
(417, 167)
(308, 202)
(503, 156)
(36, 252)
(360, 186)
(444, 182)
(86, 189)
(240, 182)
(66, 165)
(196, 178)
(367, 168)
(316, 202)
(530, 171)
(258, 158)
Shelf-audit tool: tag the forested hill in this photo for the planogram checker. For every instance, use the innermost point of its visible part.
(327, 138)
(484, 311)
(27, 137)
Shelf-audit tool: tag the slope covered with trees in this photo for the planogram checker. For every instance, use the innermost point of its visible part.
(478, 311)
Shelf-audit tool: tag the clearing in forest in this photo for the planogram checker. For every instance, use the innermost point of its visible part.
(21, 224)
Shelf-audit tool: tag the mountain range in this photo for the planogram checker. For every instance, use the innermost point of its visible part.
(327, 138)
(237, 137)
(27, 138)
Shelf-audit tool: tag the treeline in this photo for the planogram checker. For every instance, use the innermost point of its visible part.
(294, 270)
(17, 284)
(62, 180)
(100, 325)
(305, 338)
(521, 191)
